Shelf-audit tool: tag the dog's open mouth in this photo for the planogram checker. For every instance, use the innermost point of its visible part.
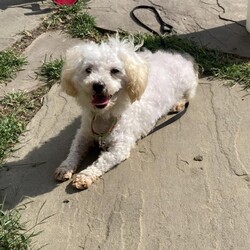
(100, 101)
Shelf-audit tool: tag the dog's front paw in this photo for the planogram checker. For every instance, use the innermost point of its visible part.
(63, 173)
(82, 181)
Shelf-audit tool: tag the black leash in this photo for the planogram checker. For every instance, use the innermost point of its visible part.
(170, 120)
(164, 27)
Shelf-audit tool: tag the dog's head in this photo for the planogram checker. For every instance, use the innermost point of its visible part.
(104, 75)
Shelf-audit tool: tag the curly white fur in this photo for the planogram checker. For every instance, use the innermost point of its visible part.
(138, 88)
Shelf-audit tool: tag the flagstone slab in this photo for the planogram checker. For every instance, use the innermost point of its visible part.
(161, 197)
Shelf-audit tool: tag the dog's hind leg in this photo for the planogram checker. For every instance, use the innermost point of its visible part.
(187, 96)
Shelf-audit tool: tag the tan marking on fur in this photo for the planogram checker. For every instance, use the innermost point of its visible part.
(137, 73)
(66, 82)
(179, 106)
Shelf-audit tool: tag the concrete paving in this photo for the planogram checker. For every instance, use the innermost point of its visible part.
(48, 46)
(160, 198)
(17, 16)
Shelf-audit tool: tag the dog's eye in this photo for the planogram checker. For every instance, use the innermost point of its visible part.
(114, 71)
(88, 70)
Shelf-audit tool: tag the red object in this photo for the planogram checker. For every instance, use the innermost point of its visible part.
(65, 2)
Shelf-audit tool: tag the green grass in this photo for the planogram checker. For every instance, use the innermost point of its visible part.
(62, 15)
(13, 233)
(236, 72)
(16, 110)
(10, 63)
(212, 62)
(17, 101)
(10, 129)
(50, 71)
(82, 26)
(73, 19)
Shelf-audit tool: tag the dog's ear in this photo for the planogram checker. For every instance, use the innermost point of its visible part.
(137, 73)
(68, 71)
(67, 83)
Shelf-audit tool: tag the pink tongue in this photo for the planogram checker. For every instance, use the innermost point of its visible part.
(100, 100)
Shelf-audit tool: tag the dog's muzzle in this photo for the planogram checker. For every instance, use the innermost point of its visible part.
(100, 97)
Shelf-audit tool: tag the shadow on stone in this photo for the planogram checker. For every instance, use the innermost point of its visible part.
(5, 4)
(33, 175)
(232, 38)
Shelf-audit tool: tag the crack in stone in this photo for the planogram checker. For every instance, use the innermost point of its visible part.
(206, 3)
(227, 149)
(132, 215)
(86, 236)
(112, 226)
(220, 6)
(226, 19)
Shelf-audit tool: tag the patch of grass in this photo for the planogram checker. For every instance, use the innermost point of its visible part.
(10, 129)
(22, 105)
(82, 26)
(10, 63)
(74, 19)
(13, 233)
(16, 110)
(50, 71)
(63, 14)
(212, 62)
(16, 101)
(236, 72)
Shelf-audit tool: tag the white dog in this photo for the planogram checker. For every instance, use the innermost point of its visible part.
(122, 94)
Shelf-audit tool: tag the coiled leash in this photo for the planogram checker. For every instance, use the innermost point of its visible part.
(164, 27)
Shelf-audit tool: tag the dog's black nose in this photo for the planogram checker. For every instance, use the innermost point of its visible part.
(98, 87)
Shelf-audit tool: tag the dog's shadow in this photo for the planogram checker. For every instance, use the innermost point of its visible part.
(34, 174)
